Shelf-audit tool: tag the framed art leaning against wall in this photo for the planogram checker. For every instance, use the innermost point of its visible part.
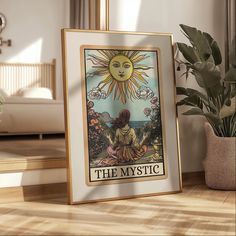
(120, 112)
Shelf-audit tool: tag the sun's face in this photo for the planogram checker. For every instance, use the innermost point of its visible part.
(121, 68)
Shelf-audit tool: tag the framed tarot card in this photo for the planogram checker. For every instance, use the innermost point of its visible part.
(121, 124)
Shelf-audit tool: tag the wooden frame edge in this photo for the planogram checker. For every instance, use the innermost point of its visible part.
(65, 88)
(126, 197)
(66, 116)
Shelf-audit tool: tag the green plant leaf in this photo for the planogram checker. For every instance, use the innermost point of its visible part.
(199, 42)
(233, 90)
(194, 101)
(212, 118)
(208, 77)
(203, 98)
(207, 74)
(194, 111)
(228, 110)
(192, 93)
(181, 91)
(217, 102)
(232, 55)
(230, 76)
(188, 52)
(214, 48)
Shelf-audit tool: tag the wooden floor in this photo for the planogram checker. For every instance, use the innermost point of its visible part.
(196, 211)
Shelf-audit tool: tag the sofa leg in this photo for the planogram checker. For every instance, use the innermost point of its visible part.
(41, 136)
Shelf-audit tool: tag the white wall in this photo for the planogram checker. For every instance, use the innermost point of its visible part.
(34, 27)
(32, 177)
(165, 16)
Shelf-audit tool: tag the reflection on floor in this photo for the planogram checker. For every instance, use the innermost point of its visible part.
(196, 211)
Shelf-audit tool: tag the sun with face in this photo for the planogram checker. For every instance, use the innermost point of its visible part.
(121, 70)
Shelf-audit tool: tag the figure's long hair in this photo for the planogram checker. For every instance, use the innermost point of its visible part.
(122, 120)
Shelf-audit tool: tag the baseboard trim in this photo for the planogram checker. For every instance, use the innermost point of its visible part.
(33, 192)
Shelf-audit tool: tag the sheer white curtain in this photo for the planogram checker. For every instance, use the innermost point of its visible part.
(89, 14)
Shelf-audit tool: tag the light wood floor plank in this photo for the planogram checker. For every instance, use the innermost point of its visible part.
(196, 211)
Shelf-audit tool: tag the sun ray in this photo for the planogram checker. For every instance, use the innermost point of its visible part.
(105, 82)
(103, 73)
(116, 91)
(132, 90)
(112, 53)
(95, 62)
(104, 54)
(126, 53)
(99, 59)
(135, 82)
(125, 88)
(143, 73)
(122, 74)
(138, 76)
(122, 96)
(133, 54)
(139, 58)
(110, 88)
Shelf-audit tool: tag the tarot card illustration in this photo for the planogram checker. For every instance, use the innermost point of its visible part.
(125, 137)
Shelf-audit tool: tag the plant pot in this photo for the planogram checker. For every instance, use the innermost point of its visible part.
(220, 164)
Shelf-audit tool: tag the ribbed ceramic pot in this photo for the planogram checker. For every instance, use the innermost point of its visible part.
(220, 162)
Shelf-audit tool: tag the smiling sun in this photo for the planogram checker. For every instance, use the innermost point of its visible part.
(123, 75)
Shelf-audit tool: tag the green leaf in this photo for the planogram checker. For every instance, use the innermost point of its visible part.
(212, 118)
(188, 52)
(194, 101)
(181, 91)
(228, 110)
(232, 55)
(230, 76)
(195, 92)
(208, 77)
(199, 42)
(233, 90)
(194, 111)
(203, 98)
(207, 74)
(214, 48)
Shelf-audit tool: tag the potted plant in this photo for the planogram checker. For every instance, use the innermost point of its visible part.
(215, 99)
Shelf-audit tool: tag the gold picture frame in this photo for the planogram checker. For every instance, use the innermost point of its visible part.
(84, 57)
